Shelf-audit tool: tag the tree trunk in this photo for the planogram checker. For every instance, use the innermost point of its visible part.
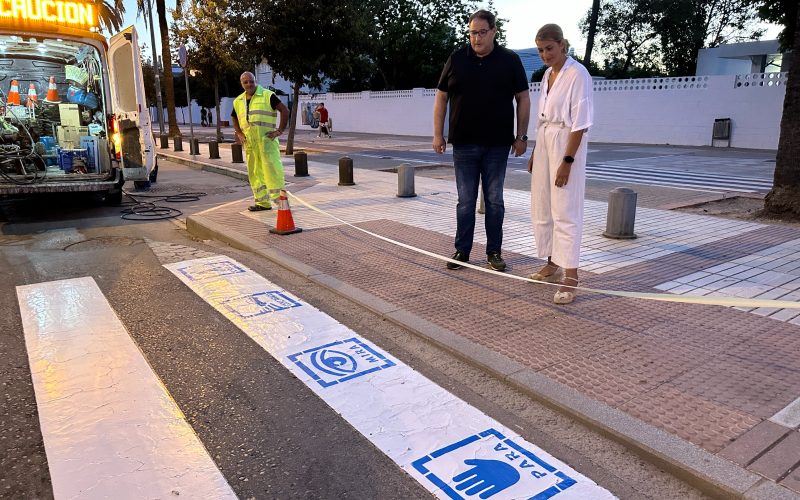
(293, 119)
(166, 59)
(785, 195)
(220, 138)
(587, 57)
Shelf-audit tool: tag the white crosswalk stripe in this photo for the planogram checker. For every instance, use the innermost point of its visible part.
(681, 179)
(450, 447)
(110, 428)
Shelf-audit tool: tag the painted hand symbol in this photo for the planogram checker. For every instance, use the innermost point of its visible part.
(486, 477)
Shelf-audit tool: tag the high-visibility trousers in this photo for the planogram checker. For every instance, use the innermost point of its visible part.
(264, 168)
(557, 212)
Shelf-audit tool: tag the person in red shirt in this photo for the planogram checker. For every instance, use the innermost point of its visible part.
(324, 126)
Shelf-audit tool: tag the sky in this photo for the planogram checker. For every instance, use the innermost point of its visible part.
(524, 18)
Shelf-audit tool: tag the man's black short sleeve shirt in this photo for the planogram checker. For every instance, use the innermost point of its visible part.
(481, 92)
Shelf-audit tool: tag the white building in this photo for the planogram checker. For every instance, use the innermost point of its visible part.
(741, 58)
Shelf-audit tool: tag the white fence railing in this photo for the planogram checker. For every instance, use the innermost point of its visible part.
(674, 110)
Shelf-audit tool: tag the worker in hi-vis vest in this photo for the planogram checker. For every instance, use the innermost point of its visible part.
(255, 120)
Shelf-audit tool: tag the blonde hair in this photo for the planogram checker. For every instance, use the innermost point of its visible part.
(552, 32)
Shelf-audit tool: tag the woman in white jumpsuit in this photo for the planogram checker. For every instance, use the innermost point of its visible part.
(558, 163)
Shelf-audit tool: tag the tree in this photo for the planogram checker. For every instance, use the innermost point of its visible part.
(686, 26)
(627, 31)
(784, 198)
(414, 40)
(783, 12)
(145, 7)
(214, 46)
(665, 35)
(303, 40)
(591, 31)
(409, 41)
(110, 15)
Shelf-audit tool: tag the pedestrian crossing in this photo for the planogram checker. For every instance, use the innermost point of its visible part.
(623, 171)
(112, 430)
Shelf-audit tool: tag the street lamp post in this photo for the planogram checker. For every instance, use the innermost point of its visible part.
(183, 60)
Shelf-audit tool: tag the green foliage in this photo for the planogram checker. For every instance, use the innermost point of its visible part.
(413, 39)
(593, 68)
(537, 75)
(686, 26)
(213, 46)
(783, 12)
(303, 40)
(110, 14)
(642, 36)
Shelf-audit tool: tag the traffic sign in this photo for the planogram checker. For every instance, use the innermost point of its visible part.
(183, 57)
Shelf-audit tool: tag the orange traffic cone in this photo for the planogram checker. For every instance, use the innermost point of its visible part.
(285, 223)
(52, 92)
(13, 94)
(33, 99)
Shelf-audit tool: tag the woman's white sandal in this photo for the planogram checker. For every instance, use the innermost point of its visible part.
(550, 278)
(568, 296)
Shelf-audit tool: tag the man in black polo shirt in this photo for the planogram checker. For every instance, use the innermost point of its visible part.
(481, 81)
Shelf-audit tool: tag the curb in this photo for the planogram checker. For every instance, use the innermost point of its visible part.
(205, 166)
(707, 472)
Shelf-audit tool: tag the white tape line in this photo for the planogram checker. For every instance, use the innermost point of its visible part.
(110, 428)
(439, 439)
(665, 297)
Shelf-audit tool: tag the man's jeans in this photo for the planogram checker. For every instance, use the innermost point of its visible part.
(473, 164)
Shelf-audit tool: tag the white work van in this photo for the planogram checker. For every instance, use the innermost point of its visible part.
(73, 114)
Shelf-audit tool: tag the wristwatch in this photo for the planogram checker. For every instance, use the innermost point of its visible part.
(523, 138)
(569, 159)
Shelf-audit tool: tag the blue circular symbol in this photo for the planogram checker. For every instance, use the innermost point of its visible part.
(333, 362)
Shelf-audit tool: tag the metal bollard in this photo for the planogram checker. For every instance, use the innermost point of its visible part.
(481, 204)
(194, 147)
(213, 150)
(236, 153)
(405, 181)
(177, 143)
(164, 141)
(346, 171)
(301, 164)
(621, 214)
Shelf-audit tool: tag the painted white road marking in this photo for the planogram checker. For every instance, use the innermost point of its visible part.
(451, 448)
(110, 428)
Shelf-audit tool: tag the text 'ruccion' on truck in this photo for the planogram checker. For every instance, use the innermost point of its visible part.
(73, 116)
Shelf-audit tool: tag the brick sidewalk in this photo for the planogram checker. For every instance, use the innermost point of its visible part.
(716, 377)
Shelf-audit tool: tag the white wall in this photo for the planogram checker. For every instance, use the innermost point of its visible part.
(709, 63)
(679, 111)
(182, 114)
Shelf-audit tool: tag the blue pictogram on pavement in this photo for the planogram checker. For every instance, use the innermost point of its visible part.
(199, 272)
(338, 362)
(489, 464)
(256, 304)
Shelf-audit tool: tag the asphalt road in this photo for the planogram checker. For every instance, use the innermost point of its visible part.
(270, 436)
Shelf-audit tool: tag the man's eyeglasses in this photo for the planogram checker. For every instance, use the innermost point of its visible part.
(478, 33)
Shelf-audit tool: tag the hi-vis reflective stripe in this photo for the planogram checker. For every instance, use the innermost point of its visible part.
(262, 124)
(437, 438)
(664, 297)
(110, 427)
(261, 112)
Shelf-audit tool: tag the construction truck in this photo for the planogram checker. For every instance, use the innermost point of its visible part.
(73, 114)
